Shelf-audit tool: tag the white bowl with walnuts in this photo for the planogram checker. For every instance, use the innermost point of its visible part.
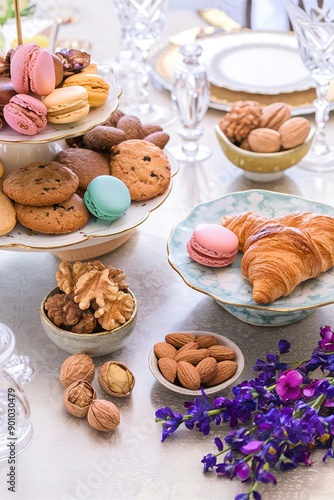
(185, 362)
(92, 310)
(264, 140)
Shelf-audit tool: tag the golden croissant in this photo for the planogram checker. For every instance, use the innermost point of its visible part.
(280, 254)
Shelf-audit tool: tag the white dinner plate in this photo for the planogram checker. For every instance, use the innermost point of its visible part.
(97, 230)
(256, 61)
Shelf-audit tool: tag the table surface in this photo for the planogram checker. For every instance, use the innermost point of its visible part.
(66, 458)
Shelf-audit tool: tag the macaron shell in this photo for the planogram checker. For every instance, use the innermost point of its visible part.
(67, 105)
(96, 86)
(19, 67)
(6, 92)
(42, 76)
(107, 197)
(25, 114)
(206, 260)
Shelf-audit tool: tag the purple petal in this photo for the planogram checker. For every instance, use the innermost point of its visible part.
(252, 447)
(294, 378)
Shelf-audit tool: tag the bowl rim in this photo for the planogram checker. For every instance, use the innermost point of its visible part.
(57, 329)
(153, 365)
(253, 154)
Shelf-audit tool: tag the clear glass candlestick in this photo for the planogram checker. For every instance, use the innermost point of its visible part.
(190, 97)
(313, 25)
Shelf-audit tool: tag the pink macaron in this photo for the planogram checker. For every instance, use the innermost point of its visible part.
(212, 245)
(32, 70)
(25, 114)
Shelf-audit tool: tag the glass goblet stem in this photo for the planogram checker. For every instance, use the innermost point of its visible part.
(144, 72)
(321, 104)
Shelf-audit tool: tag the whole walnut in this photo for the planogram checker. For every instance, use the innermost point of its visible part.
(243, 117)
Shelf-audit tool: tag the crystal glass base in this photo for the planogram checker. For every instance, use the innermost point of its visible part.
(152, 114)
(201, 154)
(318, 163)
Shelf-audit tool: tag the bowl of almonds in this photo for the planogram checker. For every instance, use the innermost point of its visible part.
(264, 140)
(185, 362)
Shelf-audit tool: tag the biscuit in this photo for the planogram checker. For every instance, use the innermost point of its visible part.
(86, 164)
(8, 214)
(62, 218)
(143, 167)
(41, 184)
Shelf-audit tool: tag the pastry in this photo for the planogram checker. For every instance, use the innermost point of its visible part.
(41, 184)
(32, 69)
(97, 88)
(107, 197)
(142, 166)
(280, 254)
(212, 245)
(25, 114)
(8, 214)
(61, 218)
(85, 163)
(67, 105)
(6, 92)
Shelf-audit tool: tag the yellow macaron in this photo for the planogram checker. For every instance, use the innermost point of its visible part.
(97, 88)
(67, 105)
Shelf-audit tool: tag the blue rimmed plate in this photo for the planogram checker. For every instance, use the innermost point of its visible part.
(226, 285)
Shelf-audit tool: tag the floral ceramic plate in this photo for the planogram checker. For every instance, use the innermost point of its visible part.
(226, 285)
(97, 230)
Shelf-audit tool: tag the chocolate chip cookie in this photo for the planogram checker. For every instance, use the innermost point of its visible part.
(142, 166)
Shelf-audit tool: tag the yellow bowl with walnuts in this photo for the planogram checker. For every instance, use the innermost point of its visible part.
(263, 141)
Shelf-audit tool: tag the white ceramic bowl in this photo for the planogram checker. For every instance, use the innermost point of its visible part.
(93, 344)
(263, 167)
(153, 364)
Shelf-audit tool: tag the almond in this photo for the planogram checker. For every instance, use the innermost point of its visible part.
(168, 368)
(221, 352)
(164, 350)
(193, 356)
(274, 115)
(294, 132)
(225, 370)
(207, 369)
(205, 341)
(149, 128)
(188, 375)
(178, 339)
(187, 346)
(264, 140)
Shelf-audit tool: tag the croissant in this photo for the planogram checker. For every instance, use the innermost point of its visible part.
(276, 259)
(321, 229)
(280, 254)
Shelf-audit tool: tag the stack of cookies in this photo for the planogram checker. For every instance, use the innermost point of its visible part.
(45, 199)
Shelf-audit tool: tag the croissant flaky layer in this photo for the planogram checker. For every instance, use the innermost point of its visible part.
(281, 253)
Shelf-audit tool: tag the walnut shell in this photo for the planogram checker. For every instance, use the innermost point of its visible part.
(77, 367)
(103, 415)
(116, 379)
(78, 397)
(264, 140)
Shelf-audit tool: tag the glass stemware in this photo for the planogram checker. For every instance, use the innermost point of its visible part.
(314, 29)
(190, 96)
(145, 20)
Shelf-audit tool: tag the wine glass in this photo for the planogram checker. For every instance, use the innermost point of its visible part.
(314, 29)
(145, 20)
(190, 97)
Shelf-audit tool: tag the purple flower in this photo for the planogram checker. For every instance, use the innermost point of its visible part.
(288, 385)
(252, 447)
(327, 339)
(209, 462)
(242, 470)
(284, 346)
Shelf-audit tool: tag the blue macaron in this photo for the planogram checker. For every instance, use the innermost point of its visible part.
(107, 197)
